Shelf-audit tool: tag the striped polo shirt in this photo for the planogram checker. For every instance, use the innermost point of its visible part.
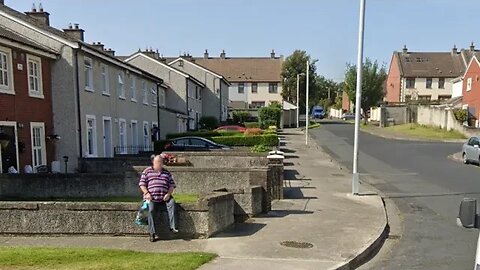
(157, 183)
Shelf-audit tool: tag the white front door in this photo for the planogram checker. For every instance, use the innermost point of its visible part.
(135, 136)
(107, 137)
(122, 135)
(39, 152)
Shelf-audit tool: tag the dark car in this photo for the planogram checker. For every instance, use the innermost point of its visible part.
(194, 144)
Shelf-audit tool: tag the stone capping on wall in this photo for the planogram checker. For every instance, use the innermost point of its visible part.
(213, 213)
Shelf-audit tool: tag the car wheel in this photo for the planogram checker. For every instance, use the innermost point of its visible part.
(464, 158)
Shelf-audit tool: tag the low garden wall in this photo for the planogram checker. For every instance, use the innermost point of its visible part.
(225, 159)
(211, 214)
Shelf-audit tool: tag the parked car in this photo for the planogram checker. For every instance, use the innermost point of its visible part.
(231, 128)
(318, 112)
(471, 151)
(194, 144)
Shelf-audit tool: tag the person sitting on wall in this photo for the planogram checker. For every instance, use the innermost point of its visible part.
(157, 185)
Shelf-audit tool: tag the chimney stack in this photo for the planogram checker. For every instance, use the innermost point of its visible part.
(405, 49)
(272, 54)
(151, 53)
(99, 46)
(75, 32)
(2, 2)
(109, 51)
(454, 49)
(205, 54)
(222, 55)
(39, 15)
(472, 47)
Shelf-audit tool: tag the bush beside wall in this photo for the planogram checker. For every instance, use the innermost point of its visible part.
(268, 140)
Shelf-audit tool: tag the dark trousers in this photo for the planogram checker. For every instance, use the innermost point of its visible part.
(154, 211)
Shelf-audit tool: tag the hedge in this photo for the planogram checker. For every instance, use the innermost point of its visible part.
(159, 146)
(267, 139)
(252, 124)
(203, 134)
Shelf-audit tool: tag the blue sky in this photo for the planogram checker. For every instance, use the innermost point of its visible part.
(325, 29)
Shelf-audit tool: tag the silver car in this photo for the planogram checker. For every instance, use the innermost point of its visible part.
(471, 151)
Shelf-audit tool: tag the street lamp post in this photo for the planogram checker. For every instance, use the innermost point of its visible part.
(298, 98)
(307, 120)
(361, 25)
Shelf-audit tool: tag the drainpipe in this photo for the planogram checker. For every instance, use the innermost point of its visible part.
(186, 102)
(220, 87)
(78, 101)
(158, 110)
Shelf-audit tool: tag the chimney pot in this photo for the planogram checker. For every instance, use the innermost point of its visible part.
(205, 54)
(223, 54)
(75, 32)
(405, 49)
(34, 8)
(472, 47)
(40, 7)
(272, 54)
(454, 49)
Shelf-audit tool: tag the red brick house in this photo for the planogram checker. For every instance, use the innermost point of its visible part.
(471, 90)
(26, 117)
(346, 104)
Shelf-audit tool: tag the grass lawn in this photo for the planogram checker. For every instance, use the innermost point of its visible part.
(425, 132)
(179, 198)
(314, 125)
(96, 259)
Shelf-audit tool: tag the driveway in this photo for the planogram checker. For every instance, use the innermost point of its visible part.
(424, 184)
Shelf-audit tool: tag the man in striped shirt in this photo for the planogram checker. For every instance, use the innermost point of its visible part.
(157, 185)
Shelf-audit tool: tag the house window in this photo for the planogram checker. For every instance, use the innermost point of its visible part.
(190, 92)
(133, 89)
(39, 153)
(104, 78)
(191, 122)
(146, 139)
(469, 84)
(425, 98)
(408, 98)
(6, 71)
(429, 83)
(88, 74)
(257, 104)
(162, 97)
(91, 136)
(134, 133)
(121, 86)
(410, 83)
(273, 88)
(241, 88)
(441, 83)
(145, 93)
(254, 88)
(154, 96)
(198, 92)
(444, 97)
(122, 136)
(34, 69)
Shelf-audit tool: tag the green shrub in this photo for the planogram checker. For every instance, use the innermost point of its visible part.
(240, 117)
(272, 114)
(260, 148)
(230, 133)
(252, 124)
(159, 146)
(208, 122)
(267, 123)
(460, 115)
(268, 139)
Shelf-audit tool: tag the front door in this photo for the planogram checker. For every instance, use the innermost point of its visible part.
(8, 145)
(107, 137)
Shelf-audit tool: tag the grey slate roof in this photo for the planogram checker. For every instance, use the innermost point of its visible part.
(12, 36)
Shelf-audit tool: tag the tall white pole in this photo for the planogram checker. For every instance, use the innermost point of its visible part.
(307, 119)
(361, 24)
(298, 98)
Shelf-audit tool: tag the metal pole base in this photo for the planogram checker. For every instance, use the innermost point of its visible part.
(355, 183)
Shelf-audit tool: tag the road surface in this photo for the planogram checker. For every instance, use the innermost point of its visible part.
(427, 188)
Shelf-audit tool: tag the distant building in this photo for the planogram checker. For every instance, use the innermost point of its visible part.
(255, 81)
(424, 75)
(471, 90)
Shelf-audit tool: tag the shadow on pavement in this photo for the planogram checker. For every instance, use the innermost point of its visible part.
(241, 229)
(296, 193)
(284, 213)
(291, 156)
(293, 175)
(287, 151)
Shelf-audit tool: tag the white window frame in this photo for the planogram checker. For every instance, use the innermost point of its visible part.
(111, 136)
(36, 93)
(105, 78)
(120, 121)
(43, 146)
(133, 88)
(469, 84)
(94, 132)
(161, 98)
(145, 92)
(134, 142)
(190, 92)
(146, 137)
(89, 69)
(121, 85)
(10, 88)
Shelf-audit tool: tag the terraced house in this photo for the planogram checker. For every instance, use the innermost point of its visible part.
(26, 118)
(101, 105)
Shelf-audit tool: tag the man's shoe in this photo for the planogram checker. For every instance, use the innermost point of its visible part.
(174, 230)
(152, 238)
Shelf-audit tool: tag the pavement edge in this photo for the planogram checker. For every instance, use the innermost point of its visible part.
(393, 137)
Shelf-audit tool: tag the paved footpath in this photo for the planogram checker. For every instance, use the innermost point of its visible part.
(335, 226)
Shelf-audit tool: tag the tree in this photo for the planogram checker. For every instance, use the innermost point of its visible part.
(293, 65)
(373, 79)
